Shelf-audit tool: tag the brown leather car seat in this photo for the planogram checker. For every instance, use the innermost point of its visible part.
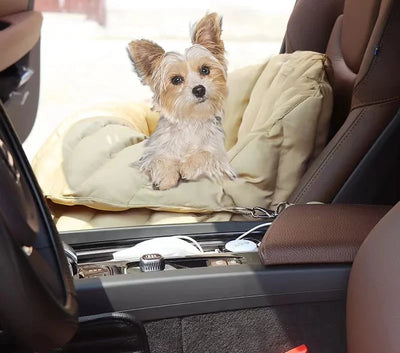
(373, 310)
(361, 38)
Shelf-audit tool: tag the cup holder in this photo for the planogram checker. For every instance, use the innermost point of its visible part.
(111, 268)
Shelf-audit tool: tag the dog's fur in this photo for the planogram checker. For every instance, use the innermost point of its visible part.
(189, 141)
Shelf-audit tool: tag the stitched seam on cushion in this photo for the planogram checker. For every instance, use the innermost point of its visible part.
(323, 71)
(330, 156)
(381, 101)
(273, 201)
(304, 99)
(122, 207)
(103, 163)
(317, 127)
(286, 113)
(279, 162)
(318, 91)
(316, 88)
(130, 200)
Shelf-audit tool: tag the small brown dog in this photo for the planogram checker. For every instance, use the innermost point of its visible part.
(189, 91)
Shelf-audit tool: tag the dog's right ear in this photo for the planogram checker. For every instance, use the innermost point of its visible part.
(146, 56)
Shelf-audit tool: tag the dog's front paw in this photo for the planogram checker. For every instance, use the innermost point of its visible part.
(167, 181)
(206, 164)
(189, 171)
(162, 172)
(194, 166)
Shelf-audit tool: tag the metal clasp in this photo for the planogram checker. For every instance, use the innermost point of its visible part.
(261, 212)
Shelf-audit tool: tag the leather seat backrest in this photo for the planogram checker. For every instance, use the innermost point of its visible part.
(361, 40)
(373, 310)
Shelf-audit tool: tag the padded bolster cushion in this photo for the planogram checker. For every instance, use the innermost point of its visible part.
(316, 233)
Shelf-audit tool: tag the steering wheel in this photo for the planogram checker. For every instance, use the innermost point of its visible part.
(38, 306)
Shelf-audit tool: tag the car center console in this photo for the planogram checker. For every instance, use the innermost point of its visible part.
(214, 281)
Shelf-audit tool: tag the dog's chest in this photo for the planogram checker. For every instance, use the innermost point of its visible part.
(181, 138)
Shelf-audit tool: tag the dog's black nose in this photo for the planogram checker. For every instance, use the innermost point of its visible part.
(199, 91)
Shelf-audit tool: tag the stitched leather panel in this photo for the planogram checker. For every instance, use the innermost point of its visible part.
(305, 234)
(334, 165)
(341, 77)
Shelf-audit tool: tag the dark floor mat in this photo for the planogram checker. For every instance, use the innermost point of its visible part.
(321, 326)
(165, 336)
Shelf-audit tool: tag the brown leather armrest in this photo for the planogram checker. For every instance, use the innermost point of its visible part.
(305, 234)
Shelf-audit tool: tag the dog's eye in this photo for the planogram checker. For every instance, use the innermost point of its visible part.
(205, 70)
(176, 80)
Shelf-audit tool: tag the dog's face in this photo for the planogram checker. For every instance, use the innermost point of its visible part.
(186, 85)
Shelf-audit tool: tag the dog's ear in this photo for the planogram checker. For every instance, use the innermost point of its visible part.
(207, 32)
(146, 56)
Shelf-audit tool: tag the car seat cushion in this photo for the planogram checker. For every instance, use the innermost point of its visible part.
(276, 121)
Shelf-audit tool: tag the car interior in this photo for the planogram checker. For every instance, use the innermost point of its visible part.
(323, 274)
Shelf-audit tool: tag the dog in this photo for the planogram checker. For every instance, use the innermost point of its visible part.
(189, 92)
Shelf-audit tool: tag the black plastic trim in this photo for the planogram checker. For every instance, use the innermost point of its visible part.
(106, 237)
(175, 293)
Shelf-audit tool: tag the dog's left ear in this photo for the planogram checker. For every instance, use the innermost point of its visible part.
(207, 32)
